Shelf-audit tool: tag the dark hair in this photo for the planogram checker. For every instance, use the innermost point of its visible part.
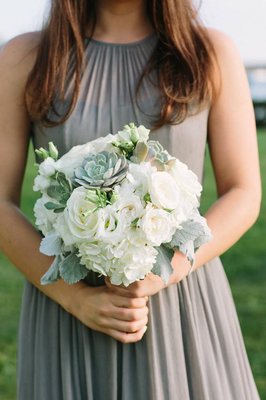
(183, 58)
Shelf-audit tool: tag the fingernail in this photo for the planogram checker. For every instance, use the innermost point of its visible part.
(145, 328)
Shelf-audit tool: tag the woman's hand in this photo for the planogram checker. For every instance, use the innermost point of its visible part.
(152, 284)
(181, 267)
(99, 308)
(148, 286)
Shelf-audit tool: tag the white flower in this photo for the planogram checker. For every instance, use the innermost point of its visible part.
(43, 180)
(74, 158)
(135, 265)
(111, 226)
(188, 184)
(80, 214)
(125, 188)
(129, 207)
(41, 183)
(123, 136)
(132, 134)
(45, 219)
(117, 251)
(143, 133)
(136, 237)
(139, 176)
(164, 191)
(158, 225)
(47, 167)
(62, 229)
(93, 256)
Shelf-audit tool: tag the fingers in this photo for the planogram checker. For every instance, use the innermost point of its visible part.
(127, 338)
(128, 302)
(129, 314)
(124, 326)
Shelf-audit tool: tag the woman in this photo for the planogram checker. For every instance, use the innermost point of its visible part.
(89, 342)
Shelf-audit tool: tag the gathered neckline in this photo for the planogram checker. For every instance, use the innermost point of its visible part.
(139, 42)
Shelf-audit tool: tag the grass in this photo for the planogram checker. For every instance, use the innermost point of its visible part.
(244, 265)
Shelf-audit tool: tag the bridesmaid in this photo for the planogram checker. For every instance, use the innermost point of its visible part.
(82, 342)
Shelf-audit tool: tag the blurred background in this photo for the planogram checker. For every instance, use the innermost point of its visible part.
(245, 263)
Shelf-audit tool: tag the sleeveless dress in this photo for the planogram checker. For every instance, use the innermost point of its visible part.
(193, 348)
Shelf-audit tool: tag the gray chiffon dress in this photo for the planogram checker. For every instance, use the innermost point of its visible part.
(193, 348)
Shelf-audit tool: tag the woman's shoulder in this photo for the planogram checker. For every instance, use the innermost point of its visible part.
(223, 45)
(228, 63)
(19, 54)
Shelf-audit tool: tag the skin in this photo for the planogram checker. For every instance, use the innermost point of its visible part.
(116, 311)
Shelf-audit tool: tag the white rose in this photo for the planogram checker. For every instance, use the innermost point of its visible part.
(111, 226)
(188, 183)
(158, 225)
(164, 191)
(80, 215)
(45, 219)
(74, 157)
(62, 229)
(139, 176)
(128, 207)
(136, 237)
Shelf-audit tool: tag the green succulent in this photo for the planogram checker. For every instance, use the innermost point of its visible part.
(157, 152)
(101, 170)
(151, 151)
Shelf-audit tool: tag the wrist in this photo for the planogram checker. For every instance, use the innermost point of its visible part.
(69, 297)
(181, 267)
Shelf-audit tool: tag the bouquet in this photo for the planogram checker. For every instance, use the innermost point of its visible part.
(119, 205)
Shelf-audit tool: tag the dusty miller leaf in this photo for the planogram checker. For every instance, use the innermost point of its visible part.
(52, 275)
(163, 267)
(194, 233)
(71, 270)
(51, 245)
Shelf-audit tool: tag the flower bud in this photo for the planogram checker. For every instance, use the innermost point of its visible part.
(53, 151)
(134, 135)
(42, 153)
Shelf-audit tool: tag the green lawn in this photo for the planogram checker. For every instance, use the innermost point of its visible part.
(245, 265)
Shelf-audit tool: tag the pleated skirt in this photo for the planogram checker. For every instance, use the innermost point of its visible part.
(193, 349)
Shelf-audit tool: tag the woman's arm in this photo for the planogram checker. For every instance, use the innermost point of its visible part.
(98, 308)
(233, 147)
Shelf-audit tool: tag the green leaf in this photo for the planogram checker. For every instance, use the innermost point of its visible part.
(63, 181)
(71, 270)
(56, 192)
(52, 275)
(134, 223)
(163, 266)
(52, 206)
(59, 210)
(147, 198)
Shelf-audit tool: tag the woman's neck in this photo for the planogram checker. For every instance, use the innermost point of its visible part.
(121, 21)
